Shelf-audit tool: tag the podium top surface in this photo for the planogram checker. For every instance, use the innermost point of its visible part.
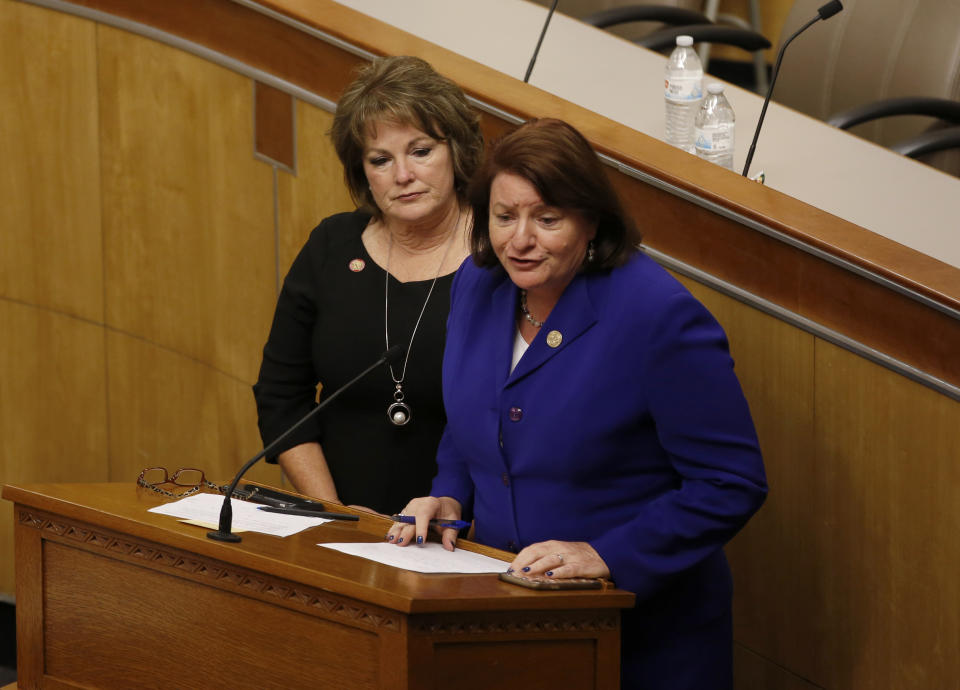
(122, 508)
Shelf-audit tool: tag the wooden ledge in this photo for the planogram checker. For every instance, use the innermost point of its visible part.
(893, 294)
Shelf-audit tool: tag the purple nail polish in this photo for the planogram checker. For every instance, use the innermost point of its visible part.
(390, 537)
(419, 540)
(509, 570)
(549, 573)
(526, 568)
(400, 540)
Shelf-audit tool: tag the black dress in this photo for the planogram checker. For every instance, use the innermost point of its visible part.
(327, 328)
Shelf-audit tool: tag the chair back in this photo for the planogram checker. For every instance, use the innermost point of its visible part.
(631, 31)
(874, 50)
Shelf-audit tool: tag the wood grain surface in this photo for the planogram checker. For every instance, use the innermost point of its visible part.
(108, 587)
(141, 249)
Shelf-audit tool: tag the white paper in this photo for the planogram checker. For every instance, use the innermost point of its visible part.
(424, 558)
(247, 516)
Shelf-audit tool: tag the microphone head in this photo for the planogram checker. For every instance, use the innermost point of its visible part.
(830, 9)
(394, 355)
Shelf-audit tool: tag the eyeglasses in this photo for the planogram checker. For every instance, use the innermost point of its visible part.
(187, 478)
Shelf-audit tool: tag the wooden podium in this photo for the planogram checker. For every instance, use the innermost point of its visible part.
(109, 595)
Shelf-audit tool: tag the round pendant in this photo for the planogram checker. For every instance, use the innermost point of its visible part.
(399, 413)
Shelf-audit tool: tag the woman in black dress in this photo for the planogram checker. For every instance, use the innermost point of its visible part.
(374, 277)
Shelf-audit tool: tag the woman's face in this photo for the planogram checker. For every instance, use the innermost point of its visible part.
(410, 173)
(540, 246)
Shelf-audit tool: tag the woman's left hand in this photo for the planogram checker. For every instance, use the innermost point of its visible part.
(560, 559)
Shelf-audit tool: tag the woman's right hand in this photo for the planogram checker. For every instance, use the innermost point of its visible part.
(424, 510)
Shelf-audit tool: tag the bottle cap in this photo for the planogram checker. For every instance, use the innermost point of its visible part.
(684, 41)
(715, 87)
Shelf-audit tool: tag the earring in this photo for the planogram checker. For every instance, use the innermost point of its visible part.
(591, 252)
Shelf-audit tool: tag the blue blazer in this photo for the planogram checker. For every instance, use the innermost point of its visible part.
(633, 434)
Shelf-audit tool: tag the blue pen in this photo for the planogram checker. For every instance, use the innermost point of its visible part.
(410, 520)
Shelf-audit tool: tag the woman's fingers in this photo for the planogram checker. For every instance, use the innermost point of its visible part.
(402, 535)
(448, 537)
(539, 559)
(423, 525)
(560, 559)
(422, 511)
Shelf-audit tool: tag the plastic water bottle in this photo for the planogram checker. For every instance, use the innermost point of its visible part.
(682, 93)
(714, 128)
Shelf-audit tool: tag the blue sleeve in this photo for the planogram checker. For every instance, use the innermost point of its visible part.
(453, 478)
(703, 423)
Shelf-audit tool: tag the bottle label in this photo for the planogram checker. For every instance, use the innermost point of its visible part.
(683, 89)
(716, 138)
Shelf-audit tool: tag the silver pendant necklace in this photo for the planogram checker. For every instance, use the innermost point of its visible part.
(399, 412)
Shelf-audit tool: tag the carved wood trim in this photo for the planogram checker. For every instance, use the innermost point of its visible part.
(212, 572)
(538, 623)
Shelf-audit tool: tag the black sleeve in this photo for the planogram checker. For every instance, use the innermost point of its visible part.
(286, 387)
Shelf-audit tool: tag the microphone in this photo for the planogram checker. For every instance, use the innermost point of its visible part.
(394, 356)
(536, 51)
(825, 12)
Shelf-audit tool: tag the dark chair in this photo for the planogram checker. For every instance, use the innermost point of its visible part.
(681, 21)
(935, 139)
(750, 41)
(875, 60)
(644, 13)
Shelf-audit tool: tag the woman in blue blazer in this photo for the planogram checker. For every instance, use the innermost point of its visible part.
(595, 426)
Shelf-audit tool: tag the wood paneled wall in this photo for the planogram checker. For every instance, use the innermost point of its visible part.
(141, 247)
(317, 188)
(52, 363)
(49, 179)
(846, 578)
(140, 254)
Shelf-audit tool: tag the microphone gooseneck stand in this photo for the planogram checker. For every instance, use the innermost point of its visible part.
(825, 12)
(223, 532)
(536, 51)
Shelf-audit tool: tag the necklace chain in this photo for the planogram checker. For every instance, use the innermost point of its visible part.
(386, 303)
(526, 312)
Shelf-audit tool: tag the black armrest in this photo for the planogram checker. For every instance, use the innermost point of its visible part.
(940, 108)
(705, 33)
(929, 142)
(644, 13)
